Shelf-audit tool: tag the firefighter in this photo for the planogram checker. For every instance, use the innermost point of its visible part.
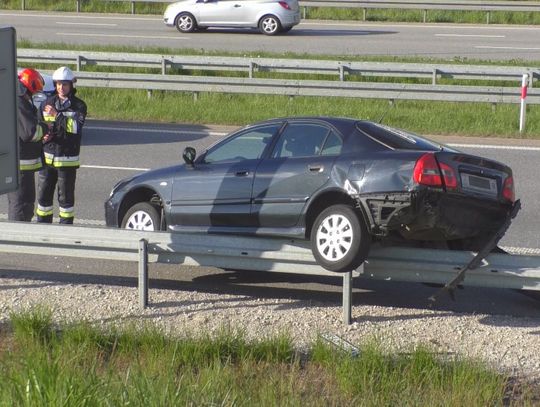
(30, 129)
(65, 114)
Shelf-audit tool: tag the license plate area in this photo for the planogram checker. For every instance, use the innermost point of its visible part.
(476, 183)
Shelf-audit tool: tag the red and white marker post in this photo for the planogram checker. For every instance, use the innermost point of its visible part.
(524, 83)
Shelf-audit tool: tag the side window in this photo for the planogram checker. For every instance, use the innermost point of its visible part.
(248, 145)
(300, 140)
(333, 145)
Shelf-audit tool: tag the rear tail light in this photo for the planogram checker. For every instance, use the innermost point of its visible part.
(285, 5)
(428, 172)
(508, 189)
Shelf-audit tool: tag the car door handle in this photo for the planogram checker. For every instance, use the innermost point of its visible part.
(315, 168)
(237, 5)
(244, 173)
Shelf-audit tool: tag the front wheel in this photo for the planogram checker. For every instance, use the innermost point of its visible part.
(269, 25)
(186, 23)
(142, 216)
(339, 239)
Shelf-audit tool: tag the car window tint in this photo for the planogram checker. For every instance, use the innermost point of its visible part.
(332, 145)
(300, 140)
(247, 145)
(395, 138)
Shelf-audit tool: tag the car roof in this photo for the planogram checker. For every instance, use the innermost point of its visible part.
(343, 124)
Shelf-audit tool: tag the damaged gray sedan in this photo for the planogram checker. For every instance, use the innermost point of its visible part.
(341, 183)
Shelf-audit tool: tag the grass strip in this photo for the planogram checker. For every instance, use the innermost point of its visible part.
(43, 364)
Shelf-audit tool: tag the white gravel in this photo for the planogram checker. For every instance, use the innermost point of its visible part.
(510, 344)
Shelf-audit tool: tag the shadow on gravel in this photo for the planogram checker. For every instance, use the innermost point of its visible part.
(318, 291)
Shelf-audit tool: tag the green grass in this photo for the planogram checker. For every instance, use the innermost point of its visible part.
(467, 119)
(432, 16)
(47, 364)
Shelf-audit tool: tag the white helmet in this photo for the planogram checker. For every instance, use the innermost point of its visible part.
(63, 74)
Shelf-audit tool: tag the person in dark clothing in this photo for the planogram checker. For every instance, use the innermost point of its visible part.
(65, 114)
(30, 129)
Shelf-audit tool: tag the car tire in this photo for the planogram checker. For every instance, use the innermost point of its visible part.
(270, 25)
(142, 216)
(339, 239)
(185, 23)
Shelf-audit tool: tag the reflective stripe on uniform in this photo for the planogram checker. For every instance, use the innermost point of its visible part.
(38, 135)
(49, 117)
(28, 165)
(67, 212)
(57, 162)
(44, 210)
(71, 122)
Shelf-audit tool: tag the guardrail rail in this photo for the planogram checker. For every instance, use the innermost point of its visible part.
(343, 70)
(263, 254)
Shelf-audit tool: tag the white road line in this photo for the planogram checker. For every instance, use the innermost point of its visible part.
(108, 167)
(515, 48)
(217, 133)
(123, 36)
(98, 24)
(140, 130)
(495, 147)
(470, 35)
(81, 17)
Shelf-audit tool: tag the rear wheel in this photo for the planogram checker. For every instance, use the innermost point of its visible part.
(141, 216)
(269, 25)
(186, 23)
(339, 239)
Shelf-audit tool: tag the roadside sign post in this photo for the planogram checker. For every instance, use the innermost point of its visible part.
(8, 112)
(523, 111)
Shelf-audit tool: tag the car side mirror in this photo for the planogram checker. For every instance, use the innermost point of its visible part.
(189, 155)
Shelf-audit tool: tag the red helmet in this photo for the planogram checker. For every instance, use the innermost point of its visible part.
(31, 79)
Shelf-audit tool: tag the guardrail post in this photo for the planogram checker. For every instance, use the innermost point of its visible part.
(304, 12)
(149, 93)
(132, 7)
(488, 13)
(341, 73)
(251, 69)
(365, 14)
(164, 66)
(23, 5)
(347, 294)
(425, 15)
(79, 63)
(434, 76)
(78, 7)
(143, 273)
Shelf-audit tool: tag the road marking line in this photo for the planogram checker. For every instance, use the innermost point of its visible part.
(494, 147)
(100, 24)
(516, 48)
(218, 133)
(108, 167)
(470, 35)
(123, 36)
(137, 129)
(81, 17)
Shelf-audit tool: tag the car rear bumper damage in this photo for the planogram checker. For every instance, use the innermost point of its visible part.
(432, 215)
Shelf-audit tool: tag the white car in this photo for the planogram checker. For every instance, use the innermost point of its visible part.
(269, 16)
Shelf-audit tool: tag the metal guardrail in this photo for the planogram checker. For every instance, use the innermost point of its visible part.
(343, 88)
(424, 5)
(263, 254)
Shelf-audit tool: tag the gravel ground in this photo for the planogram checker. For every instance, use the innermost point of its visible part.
(507, 343)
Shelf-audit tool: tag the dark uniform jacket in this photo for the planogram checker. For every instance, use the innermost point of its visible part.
(30, 130)
(66, 129)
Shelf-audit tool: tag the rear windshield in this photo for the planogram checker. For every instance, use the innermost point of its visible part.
(395, 138)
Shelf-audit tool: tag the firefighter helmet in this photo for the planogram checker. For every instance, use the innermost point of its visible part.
(32, 80)
(63, 74)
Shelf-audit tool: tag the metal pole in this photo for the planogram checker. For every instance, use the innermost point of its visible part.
(524, 83)
(143, 273)
(347, 294)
